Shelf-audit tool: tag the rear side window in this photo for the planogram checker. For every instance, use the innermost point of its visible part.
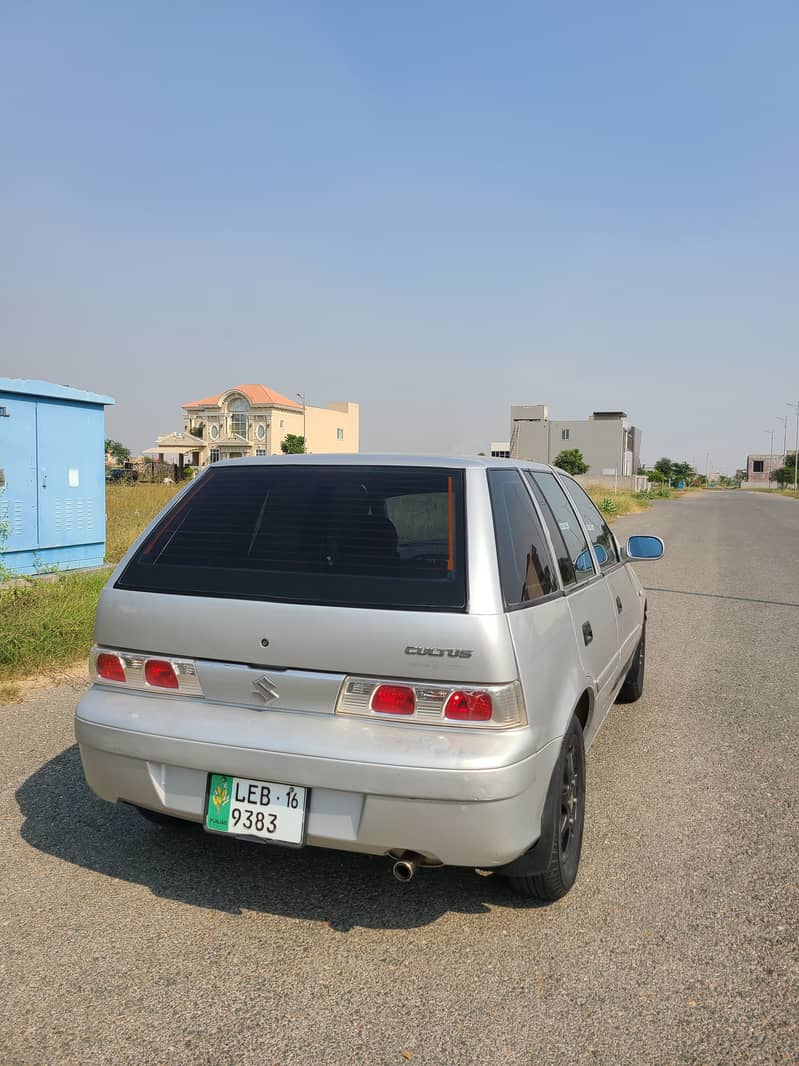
(571, 531)
(598, 529)
(351, 536)
(526, 570)
(565, 564)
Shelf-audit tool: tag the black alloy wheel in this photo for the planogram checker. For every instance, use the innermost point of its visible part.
(567, 819)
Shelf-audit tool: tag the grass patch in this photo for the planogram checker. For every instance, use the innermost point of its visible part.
(48, 625)
(10, 693)
(45, 625)
(777, 492)
(614, 505)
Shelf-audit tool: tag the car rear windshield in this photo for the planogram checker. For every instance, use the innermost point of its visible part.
(350, 535)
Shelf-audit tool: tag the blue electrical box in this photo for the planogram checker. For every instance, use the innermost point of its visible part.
(52, 477)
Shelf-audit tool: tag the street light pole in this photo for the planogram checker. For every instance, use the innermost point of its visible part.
(301, 395)
(784, 420)
(770, 455)
(796, 446)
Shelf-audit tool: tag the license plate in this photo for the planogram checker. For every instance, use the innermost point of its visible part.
(263, 809)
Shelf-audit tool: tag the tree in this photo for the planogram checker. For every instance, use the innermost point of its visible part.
(663, 466)
(784, 475)
(571, 460)
(293, 444)
(117, 451)
(682, 472)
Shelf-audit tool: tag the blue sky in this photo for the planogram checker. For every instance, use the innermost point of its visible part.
(434, 209)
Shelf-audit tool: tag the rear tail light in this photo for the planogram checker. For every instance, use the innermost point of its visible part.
(486, 707)
(109, 667)
(143, 673)
(160, 674)
(394, 699)
(465, 706)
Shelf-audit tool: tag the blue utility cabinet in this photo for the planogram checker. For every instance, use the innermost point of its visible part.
(52, 476)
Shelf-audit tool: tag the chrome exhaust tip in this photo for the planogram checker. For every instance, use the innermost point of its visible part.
(404, 869)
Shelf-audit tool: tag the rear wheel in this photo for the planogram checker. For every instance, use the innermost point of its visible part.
(569, 814)
(633, 687)
(161, 818)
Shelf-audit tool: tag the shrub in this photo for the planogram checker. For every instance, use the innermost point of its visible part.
(608, 505)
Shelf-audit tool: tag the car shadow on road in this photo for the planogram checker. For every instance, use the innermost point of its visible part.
(63, 818)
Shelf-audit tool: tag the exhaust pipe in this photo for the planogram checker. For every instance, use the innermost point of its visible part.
(404, 868)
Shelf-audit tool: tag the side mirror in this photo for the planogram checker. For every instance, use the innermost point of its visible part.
(645, 548)
(601, 554)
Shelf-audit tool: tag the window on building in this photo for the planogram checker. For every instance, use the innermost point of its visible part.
(757, 466)
(282, 423)
(526, 570)
(564, 434)
(238, 409)
(214, 455)
(499, 454)
(339, 434)
(238, 424)
(260, 451)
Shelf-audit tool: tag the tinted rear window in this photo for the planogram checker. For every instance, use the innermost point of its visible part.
(350, 535)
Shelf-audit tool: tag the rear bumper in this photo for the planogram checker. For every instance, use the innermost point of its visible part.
(484, 816)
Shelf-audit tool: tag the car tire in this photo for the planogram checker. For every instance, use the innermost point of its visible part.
(567, 837)
(633, 687)
(168, 821)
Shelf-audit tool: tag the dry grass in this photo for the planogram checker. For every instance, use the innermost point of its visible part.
(10, 693)
(613, 505)
(129, 508)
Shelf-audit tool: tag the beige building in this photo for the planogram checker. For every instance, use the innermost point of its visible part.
(255, 420)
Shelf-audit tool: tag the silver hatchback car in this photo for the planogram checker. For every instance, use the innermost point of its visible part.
(392, 655)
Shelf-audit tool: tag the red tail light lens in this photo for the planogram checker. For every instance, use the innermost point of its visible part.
(394, 699)
(110, 667)
(469, 707)
(160, 674)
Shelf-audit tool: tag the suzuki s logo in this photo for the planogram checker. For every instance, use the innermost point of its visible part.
(264, 687)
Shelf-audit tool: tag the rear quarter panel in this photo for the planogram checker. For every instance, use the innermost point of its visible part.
(549, 665)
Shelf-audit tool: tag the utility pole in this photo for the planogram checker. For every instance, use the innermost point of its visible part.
(771, 454)
(784, 420)
(796, 447)
(301, 396)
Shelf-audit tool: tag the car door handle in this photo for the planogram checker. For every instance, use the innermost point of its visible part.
(619, 606)
(588, 633)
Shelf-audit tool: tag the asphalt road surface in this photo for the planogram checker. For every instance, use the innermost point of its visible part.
(124, 943)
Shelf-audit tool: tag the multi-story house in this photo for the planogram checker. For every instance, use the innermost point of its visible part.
(609, 444)
(255, 420)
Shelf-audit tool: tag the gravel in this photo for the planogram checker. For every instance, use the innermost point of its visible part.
(124, 943)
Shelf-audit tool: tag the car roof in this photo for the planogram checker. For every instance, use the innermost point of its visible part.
(378, 459)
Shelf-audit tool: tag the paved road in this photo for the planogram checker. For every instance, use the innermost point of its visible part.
(123, 943)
